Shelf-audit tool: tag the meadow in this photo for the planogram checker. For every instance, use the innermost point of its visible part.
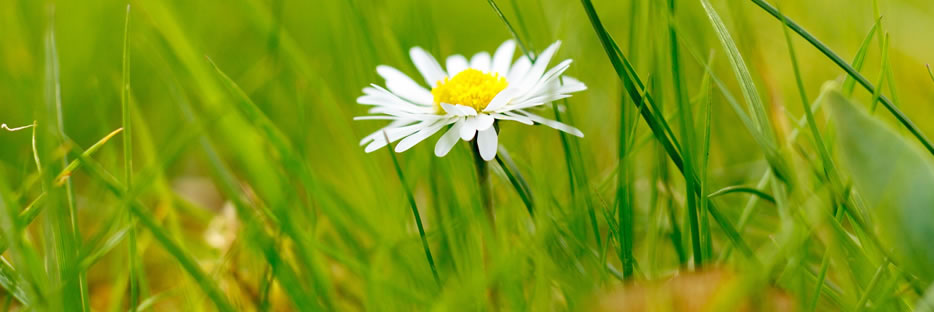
(737, 155)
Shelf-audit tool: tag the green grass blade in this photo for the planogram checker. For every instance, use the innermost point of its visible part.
(685, 116)
(415, 214)
(885, 69)
(12, 282)
(849, 83)
(829, 168)
(515, 178)
(742, 189)
(132, 252)
(62, 177)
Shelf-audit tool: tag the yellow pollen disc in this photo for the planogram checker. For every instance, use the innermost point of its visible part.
(470, 87)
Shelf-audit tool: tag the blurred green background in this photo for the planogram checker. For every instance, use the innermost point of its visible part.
(303, 64)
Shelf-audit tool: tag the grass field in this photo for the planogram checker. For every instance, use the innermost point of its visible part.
(203, 155)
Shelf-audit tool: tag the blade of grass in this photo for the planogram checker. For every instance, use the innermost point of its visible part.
(742, 189)
(687, 138)
(73, 165)
(418, 219)
(848, 82)
(515, 178)
(624, 211)
(930, 72)
(861, 304)
(128, 161)
(885, 69)
(11, 282)
(902, 118)
(829, 169)
(889, 75)
(63, 218)
(706, 238)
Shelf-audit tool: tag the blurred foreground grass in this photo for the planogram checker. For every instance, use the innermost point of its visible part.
(246, 189)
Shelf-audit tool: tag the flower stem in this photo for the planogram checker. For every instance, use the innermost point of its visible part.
(486, 187)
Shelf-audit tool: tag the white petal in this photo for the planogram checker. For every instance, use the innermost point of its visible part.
(467, 133)
(448, 140)
(518, 118)
(501, 99)
(394, 134)
(536, 101)
(518, 70)
(487, 142)
(570, 84)
(548, 82)
(403, 86)
(480, 122)
(541, 63)
(397, 124)
(419, 136)
(427, 66)
(455, 64)
(503, 56)
(458, 110)
(553, 124)
(481, 61)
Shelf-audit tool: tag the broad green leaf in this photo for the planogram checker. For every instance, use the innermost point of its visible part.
(895, 179)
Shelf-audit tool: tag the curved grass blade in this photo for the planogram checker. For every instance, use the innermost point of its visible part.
(742, 189)
(418, 219)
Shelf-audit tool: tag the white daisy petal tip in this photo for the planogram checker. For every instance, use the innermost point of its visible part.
(487, 142)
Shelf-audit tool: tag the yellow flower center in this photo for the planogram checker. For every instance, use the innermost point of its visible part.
(470, 87)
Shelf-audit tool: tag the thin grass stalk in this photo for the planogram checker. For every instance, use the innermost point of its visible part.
(624, 222)
(859, 59)
(418, 218)
(687, 137)
(128, 162)
(882, 76)
(824, 153)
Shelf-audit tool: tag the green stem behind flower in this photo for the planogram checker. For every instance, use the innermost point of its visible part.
(486, 186)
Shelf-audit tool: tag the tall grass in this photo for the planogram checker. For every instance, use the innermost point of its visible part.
(205, 158)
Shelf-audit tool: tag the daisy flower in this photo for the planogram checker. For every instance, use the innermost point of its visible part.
(467, 97)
